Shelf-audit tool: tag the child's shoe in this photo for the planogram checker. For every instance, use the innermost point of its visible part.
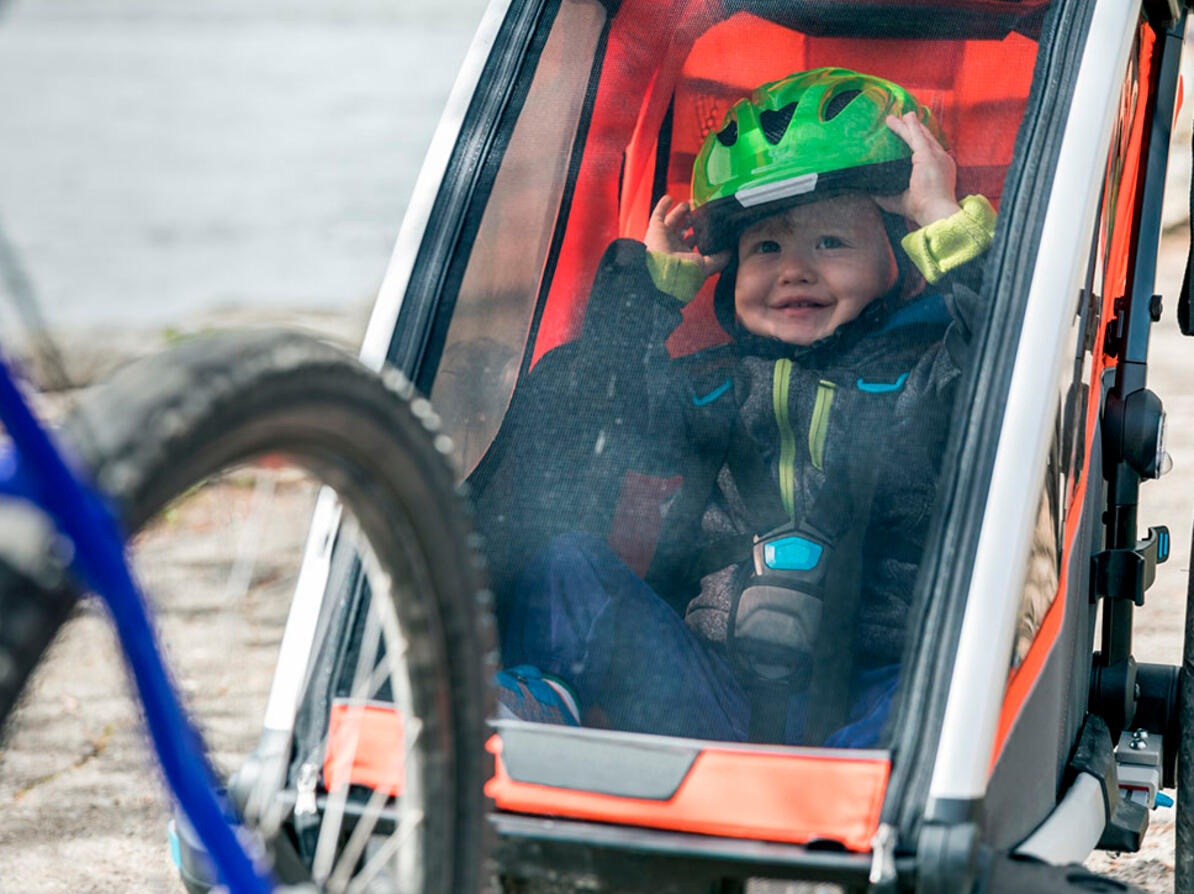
(526, 693)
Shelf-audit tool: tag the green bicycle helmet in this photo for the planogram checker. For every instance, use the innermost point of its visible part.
(796, 140)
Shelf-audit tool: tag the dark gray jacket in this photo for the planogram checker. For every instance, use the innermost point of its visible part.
(879, 390)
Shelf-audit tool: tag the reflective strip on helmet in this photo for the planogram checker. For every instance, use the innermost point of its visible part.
(750, 196)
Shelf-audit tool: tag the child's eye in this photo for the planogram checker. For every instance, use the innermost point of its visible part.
(830, 242)
(767, 247)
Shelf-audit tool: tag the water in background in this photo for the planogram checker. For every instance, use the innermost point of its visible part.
(162, 159)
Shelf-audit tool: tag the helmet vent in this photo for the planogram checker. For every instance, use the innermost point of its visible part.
(775, 123)
(838, 103)
(728, 135)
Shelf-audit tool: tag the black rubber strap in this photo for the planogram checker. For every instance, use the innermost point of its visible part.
(754, 482)
(757, 489)
(769, 712)
(849, 507)
(729, 550)
(833, 659)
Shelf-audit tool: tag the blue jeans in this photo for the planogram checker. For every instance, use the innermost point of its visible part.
(580, 614)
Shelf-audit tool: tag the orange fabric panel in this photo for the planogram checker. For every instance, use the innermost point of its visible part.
(777, 796)
(977, 89)
(366, 746)
(991, 91)
(642, 34)
(679, 48)
(1121, 191)
(699, 329)
(1118, 210)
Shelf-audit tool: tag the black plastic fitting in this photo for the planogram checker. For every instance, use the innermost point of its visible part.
(1131, 431)
(1158, 710)
(1113, 693)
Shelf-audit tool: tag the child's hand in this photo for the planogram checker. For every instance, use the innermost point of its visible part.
(930, 195)
(670, 232)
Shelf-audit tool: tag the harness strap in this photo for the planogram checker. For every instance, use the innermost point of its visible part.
(833, 659)
(673, 571)
(753, 480)
(729, 550)
(768, 711)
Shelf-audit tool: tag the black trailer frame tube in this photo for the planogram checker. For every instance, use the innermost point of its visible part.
(1132, 371)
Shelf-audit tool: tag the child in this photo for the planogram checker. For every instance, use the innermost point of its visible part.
(819, 429)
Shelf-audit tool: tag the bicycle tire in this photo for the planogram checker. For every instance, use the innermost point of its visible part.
(163, 424)
(36, 597)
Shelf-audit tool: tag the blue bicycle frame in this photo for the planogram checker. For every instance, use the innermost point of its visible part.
(36, 471)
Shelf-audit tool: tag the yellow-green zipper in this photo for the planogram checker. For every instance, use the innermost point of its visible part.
(819, 427)
(787, 438)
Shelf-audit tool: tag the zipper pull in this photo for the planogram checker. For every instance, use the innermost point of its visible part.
(304, 802)
(883, 870)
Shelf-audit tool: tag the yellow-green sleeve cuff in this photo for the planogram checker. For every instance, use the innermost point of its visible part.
(675, 276)
(945, 245)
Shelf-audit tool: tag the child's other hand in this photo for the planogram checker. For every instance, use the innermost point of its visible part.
(931, 190)
(670, 232)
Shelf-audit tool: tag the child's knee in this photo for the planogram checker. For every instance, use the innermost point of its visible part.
(571, 558)
(576, 545)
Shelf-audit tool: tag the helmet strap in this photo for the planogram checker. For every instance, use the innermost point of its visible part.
(909, 282)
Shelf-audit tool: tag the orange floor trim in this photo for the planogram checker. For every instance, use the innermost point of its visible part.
(782, 797)
(366, 746)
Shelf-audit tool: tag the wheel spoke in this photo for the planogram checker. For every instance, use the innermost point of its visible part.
(370, 814)
(329, 832)
(391, 848)
(249, 538)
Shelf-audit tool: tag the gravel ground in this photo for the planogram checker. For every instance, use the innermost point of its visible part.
(81, 805)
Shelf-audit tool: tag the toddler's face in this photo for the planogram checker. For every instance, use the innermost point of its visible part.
(805, 272)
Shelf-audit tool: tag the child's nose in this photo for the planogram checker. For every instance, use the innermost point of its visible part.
(797, 267)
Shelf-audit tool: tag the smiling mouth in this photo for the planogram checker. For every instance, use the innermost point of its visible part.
(801, 304)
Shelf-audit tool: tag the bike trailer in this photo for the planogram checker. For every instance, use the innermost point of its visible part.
(1022, 734)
